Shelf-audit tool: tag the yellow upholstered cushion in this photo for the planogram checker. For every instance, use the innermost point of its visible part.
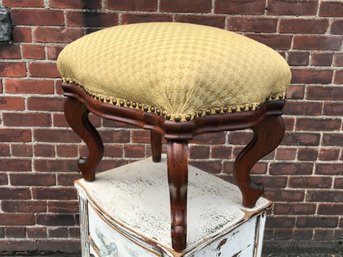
(181, 70)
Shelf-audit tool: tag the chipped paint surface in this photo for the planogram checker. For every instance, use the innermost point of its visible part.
(136, 196)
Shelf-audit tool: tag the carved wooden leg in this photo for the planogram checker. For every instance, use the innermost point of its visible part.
(268, 134)
(156, 146)
(77, 116)
(178, 178)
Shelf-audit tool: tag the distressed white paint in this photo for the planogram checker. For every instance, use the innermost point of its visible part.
(83, 204)
(135, 199)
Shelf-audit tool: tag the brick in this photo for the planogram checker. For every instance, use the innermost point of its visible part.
(197, 6)
(54, 193)
(67, 150)
(301, 139)
(252, 24)
(325, 93)
(114, 151)
(316, 124)
(283, 234)
(303, 108)
(199, 152)
(36, 232)
(35, 52)
(53, 52)
(75, 4)
(286, 153)
(338, 77)
(277, 42)
(58, 232)
(138, 18)
(14, 193)
(67, 179)
(333, 139)
(271, 181)
(317, 42)
(322, 235)
(29, 86)
(329, 169)
(315, 222)
(213, 167)
(328, 154)
(26, 119)
(324, 196)
(133, 5)
(213, 21)
(221, 152)
(12, 69)
(22, 34)
(45, 103)
(332, 108)
(3, 179)
(4, 150)
(296, 92)
(15, 232)
(303, 26)
(338, 183)
(240, 7)
(40, 69)
(41, 150)
(52, 245)
(32, 179)
(302, 234)
(10, 52)
(63, 206)
(311, 76)
(16, 219)
(37, 17)
(18, 245)
(294, 209)
(15, 135)
(281, 7)
(56, 35)
(331, 9)
(280, 222)
(240, 138)
(134, 151)
(310, 182)
(21, 150)
(290, 168)
(320, 59)
(307, 154)
(118, 136)
(298, 58)
(12, 103)
(91, 19)
(74, 232)
(25, 3)
(23, 206)
(338, 60)
(330, 209)
(15, 165)
(55, 165)
(55, 219)
(56, 135)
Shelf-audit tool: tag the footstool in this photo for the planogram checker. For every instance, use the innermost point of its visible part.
(177, 80)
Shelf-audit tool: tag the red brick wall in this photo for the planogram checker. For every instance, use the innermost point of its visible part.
(304, 177)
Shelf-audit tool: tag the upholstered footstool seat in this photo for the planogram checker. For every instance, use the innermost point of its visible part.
(177, 80)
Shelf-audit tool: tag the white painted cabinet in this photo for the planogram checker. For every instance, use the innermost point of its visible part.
(125, 213)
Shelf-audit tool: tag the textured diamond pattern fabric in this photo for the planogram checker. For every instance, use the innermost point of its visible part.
(178, 68)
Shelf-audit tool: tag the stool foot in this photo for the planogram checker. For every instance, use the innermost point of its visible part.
(268, 134)
(76, 114)
(178, 178)
(156, 146)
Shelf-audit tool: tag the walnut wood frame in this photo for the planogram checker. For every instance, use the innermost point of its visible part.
(266, 123)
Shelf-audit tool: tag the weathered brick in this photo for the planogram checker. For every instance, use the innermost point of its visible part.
(25, 3)
(21, 150)
(53, 52)
(213, 167)
(36, 232)
(285, 195)
(310, 182)
(75, 4)
(133, 5)
(298, 139)
(303, 26)
(37, 17)
(63, 207)
(32, 179)
(55, 219)
(58, 232)
(338, 77)
(325, 93)
(44, 150)
(33, 51)
(185, 6)
(331, 9)
(298, 58)
(118, 136)
(252, 24)
(329, 169)
(323, 234)
(23, 206)
(29, 86)
(317, 42)
(55, 165)
(40, 69)
(26, 119)
(134, 151)
(67, 179)
(138, 18)
(286, 153)
(280, 222)
(10, 52)
(12, 103)
(16, 219)
(45, 103)
(12, 69)
(328, 154)
(15, 164)
(56, 135)
(315, 222)
(294, 209)
(91, 19)
(277, 42)
(303, 108)
(330, 209)
(240, 7)
(56, 35)
(22, 34)
(290, 168)
(317, 124)
(3, 178)
(321, 59)
(307, 154)
(15, 232)
(281, 7)
(338, 60)
(311, 76)
(14, 193)
(54, 193)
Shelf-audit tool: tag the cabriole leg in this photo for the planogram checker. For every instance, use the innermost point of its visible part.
(77, 116)
(178, 179)
(268, 134)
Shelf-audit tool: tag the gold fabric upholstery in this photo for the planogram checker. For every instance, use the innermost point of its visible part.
(179, 70)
